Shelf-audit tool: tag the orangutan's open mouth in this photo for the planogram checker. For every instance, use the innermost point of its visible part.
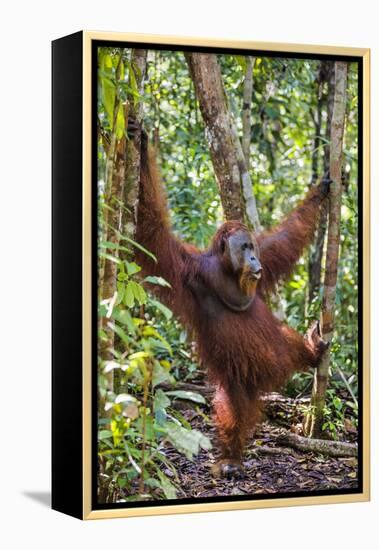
(249, 280)
(256, 275)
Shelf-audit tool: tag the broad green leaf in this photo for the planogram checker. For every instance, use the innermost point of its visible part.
(122, 481)
(156, 281)
(107, 60)
(186, 441)
(138, 292)
(166, 485)
(129, 295)
(122, 277)
(160, 416)
(104, 434)
(109, 96)
(271, 112)
(120, 293)
(149, 427)
(123, 316)
(153, 483)
(160, 375)
(189, 395)
(132, 268)
(165, 310)
(160, 344)
(120, 123)
(161, 401)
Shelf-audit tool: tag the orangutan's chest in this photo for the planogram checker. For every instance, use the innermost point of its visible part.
(222, 295)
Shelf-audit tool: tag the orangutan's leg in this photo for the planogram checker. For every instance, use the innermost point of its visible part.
(232, 428)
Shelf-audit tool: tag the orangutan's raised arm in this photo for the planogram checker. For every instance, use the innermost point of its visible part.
(281, 247)
(174, 258)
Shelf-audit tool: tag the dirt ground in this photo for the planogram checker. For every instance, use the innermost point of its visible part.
(269, 467)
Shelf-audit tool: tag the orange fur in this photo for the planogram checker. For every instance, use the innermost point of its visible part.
(247, 352)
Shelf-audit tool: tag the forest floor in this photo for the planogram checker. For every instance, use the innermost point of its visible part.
(269, 467)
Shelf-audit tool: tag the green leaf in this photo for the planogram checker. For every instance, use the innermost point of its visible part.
(108, 95)
(149, 427)
(166, 485)
(161, 401)
(188, 395)
(122, 481)
(271, 112)
(123, 316)
(110, 257)
(241, 60)
(138, 292)
(132, 78)
(104, 434)
(165, 310)
(132, 268)
(120, 123)
(188, 442)
(134, 85)
(139, 246)
(160, 375)
(140, 355)
(156, 281)
(129, 295)
(112, 246)
(122, 70)
(121, 334)
(160, 416)
(107, 61)
(120, 292)
(153, 483)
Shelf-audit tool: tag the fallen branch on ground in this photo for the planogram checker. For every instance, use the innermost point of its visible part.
(323, 446)
(272, 451)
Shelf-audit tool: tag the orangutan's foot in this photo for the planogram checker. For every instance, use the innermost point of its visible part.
(229, 469)
(314, 337)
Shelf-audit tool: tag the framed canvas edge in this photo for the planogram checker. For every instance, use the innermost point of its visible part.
(364, 496)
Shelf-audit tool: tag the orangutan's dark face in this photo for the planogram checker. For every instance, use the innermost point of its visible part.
(243, 255)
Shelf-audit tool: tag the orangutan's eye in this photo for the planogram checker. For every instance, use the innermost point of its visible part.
(244, 246)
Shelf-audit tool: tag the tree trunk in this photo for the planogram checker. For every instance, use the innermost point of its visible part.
(226, 151)
(121, 196)
(246, 109)
(326, 75)
(114, 184)
(130, 195)
(335, 197)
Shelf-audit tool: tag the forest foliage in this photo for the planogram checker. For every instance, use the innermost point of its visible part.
(149, 350)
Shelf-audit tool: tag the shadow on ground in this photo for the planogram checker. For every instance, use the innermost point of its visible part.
(42, 497)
